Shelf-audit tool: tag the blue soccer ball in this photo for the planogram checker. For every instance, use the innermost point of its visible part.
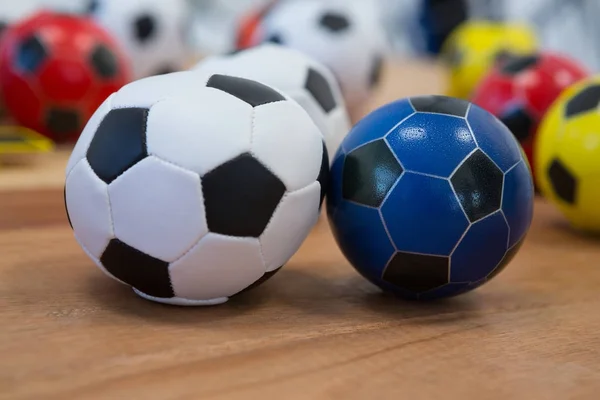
(430, 197)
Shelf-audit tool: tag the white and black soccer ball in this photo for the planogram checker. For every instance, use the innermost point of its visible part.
(304, 79)
(186, 189)
(340, 34)
(154, 33)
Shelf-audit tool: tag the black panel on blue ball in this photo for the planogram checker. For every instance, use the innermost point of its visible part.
(369, 173)
(417, 272)
(440, 105)
(478, 185)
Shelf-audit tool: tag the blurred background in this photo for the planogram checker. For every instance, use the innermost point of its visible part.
(568, 26)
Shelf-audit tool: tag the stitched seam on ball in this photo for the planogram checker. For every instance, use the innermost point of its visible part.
(252, 126)
(73, 169)
(253, 154)
(110, 212)
(87, 147)
(271, 221)
(204, 206)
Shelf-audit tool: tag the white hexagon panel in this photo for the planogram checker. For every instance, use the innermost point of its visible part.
(206, 121)
(158, 209)
(217, 268)
(288, 142)
(291, 223)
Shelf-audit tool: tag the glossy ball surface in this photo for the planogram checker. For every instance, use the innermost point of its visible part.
(430, 197)
(55, 70)
(567, 152)
(473, 48)
(520, 91)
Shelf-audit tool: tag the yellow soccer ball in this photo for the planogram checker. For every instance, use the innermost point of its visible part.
(567, 154)
(472, 49)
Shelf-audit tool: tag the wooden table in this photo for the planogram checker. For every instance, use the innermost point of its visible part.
(315, 331)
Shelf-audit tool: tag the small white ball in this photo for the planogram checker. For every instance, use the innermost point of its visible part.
(304, 79)
(154, 33)
(183, 187)
(344, 35)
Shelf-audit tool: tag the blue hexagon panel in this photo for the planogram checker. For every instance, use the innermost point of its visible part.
(481, 250)
(420, 141)
(517, 201)
(362, 237)
(494, 138)
(423, 215)
(377, 124)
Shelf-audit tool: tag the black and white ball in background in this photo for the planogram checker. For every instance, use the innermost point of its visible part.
(304, 79)
(340, 34)
(193, 189)
(153, 32)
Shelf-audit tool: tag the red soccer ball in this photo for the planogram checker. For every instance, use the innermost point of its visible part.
(520, 89)
(247, 32)
(56, 70)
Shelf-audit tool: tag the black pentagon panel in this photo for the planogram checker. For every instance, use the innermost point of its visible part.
(66, 208)
(145, 28)
(240, 197)
(139, 270)
(584, 101)
(63, 122)
(519, 122)
(563, 182)
(119, 143)
(478, 184)
(104, 62)
(334, 22)
(514, 65)
(249, 91)
(369, 173)
(417, 273)
(376, 72)
(323, 178)
(440, 105)
(508, 257)
(260, 281)
(319, 88)
(31, 54)
(275, 39)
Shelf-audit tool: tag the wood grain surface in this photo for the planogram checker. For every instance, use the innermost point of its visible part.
(317, 330)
